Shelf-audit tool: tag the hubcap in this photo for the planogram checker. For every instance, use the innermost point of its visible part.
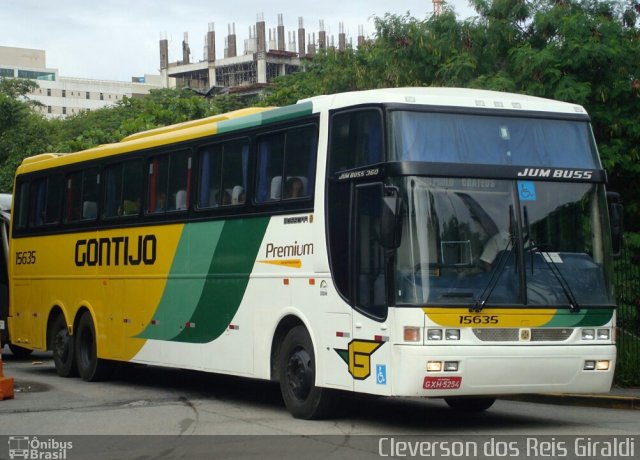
(300, 374)
(61, 345)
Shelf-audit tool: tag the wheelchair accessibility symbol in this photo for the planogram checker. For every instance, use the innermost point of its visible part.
(381, 374)
(527, 191)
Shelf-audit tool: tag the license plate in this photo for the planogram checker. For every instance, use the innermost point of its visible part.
(442, 383)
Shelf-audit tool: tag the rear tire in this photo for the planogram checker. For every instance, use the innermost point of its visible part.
(90, 367)
(63, 348)
(465, 404)
(20, 352)
(297, 372)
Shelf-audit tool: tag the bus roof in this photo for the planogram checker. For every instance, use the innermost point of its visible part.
(448, 97)
(437, 97)
(164, 135)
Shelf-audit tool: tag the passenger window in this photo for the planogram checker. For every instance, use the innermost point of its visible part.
(46, 200)
(22, 205)
(356, 139)
(169, 182)
(123, 190)
(286, 164)
(223, 174)
(81, 195)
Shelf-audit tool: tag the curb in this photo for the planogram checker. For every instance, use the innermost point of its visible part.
(586, 400)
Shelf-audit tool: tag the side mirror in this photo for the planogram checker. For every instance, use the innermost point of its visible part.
(391, 218)
(616, 219)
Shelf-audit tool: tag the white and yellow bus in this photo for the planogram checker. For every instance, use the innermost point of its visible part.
(421, 242)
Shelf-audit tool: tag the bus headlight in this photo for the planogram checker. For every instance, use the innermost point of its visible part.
(588, 334)
(452, 334)
(434, 334)
(434, 366)
(451, 366)
(604, 334)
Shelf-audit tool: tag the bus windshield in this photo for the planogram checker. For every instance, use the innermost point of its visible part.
(495, 140)
(505, 242)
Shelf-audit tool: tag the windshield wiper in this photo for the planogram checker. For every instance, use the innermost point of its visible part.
(495, 277)
(553, 268)
(497, 271)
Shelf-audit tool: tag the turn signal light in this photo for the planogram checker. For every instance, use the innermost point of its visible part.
(411, 334)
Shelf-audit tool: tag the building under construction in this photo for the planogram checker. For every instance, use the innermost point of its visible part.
(248, 73)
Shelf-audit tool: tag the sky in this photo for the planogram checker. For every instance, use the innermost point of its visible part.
(119, 39)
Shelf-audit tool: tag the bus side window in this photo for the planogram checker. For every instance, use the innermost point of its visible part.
(270, 164)
(37, 195)
(22, 205)
(286, 164)
(123, 190)
(299, 164)
(356, 139)
(169, 182)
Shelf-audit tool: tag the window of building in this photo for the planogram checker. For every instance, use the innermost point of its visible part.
(223, 174)
(48, 109)
(48, 91)
(35, 75)
(64, 110)
(286, 164)
(169, 182)
(102, 96)
(64, 93)
(88, 95)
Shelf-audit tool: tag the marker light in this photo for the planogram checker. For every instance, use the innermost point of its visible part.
(602, 365)
(434, 334)
(411, 334)
(588, 334)
(452, 334)
(603, 334)
(589, 365)
(450, 366)
(434, 366)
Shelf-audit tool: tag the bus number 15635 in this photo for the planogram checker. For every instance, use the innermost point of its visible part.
(478, 319)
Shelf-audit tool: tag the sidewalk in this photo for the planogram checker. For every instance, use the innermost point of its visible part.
(617, 398)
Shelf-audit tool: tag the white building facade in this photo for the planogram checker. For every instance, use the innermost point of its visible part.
(65, 96)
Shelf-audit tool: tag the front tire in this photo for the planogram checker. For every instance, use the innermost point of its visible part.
(63, 348)
(297, 372)
(90, 367)
(465, 404)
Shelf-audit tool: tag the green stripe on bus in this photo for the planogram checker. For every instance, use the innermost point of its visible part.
(587, 317)
(230, 269)
(270, 116)
(186, 281)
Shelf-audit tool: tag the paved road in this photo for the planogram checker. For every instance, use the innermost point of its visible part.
(149, 401)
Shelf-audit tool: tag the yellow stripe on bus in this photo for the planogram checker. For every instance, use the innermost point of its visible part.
(490, 317)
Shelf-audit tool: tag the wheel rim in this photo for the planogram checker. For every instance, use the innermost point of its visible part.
(300, 374)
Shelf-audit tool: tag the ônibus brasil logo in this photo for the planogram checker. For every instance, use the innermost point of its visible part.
(30, 447)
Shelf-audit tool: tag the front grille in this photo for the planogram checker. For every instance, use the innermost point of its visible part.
(513, 334)
(550, 335)
(497, 334)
